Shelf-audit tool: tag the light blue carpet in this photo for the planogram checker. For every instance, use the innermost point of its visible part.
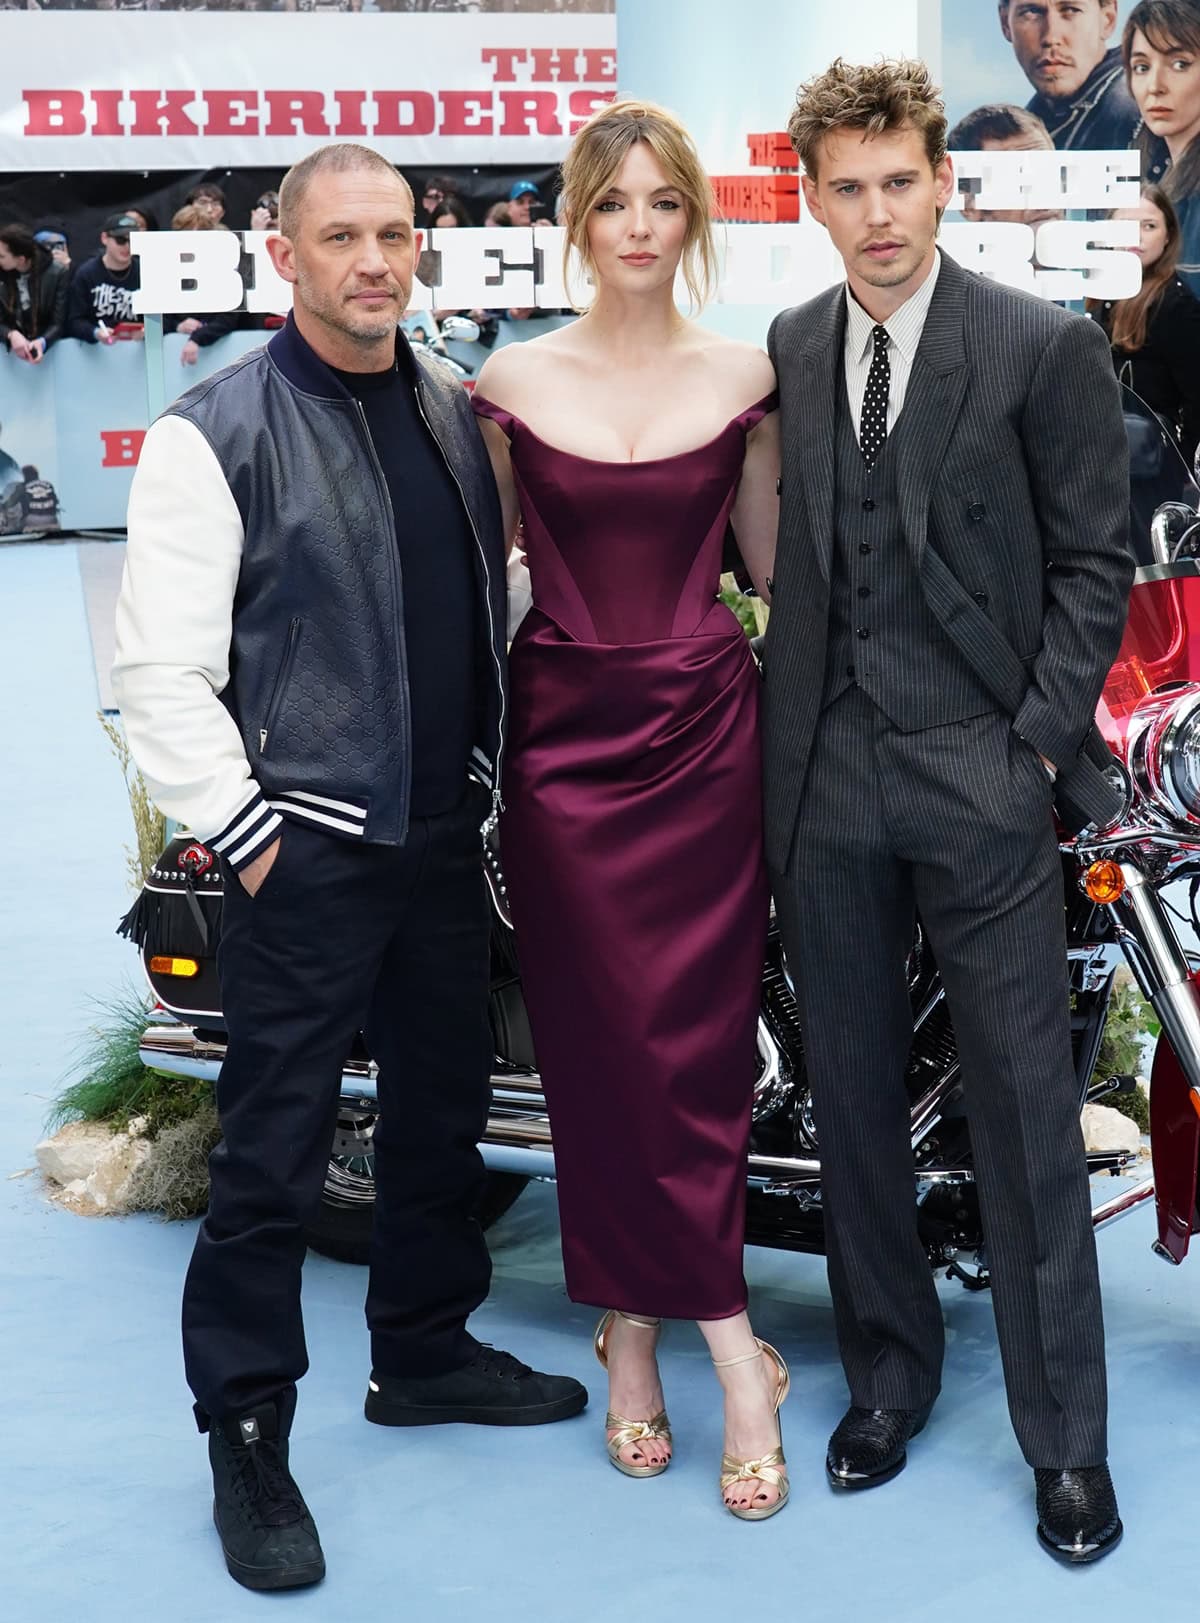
(104, 1512)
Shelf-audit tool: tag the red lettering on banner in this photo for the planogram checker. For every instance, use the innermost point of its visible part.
(504, 64)
(600, 64)
(773, 151)
(231, 112)
(163, 112)
(584, 103)
(350, 111)
(758, 199)
(397, 113)
(525, 107)
(122, 447)
(422, 117)
(551, 66)
(458, 105)
(108, 113)
(296, 112)
(54, 112)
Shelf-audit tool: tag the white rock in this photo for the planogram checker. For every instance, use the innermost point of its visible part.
(108, 1185)
(1107, 1131)
(71, 1155)
(94, 1166)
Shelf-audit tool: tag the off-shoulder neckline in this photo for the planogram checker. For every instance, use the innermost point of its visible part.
(639, 462)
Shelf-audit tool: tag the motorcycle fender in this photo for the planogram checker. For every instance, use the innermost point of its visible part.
(1174, 1146)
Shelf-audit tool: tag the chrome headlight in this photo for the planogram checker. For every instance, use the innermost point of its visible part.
(1164, 753)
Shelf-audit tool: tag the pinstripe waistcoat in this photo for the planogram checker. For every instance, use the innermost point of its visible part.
(1010, 461)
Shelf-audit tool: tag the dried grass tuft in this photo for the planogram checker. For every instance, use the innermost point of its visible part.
(174, 1177)
(149, 824)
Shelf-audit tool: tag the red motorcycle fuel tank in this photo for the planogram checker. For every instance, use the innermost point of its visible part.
(1161, 645)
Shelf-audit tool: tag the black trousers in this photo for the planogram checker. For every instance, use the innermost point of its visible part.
(954, 821)
(342, 936)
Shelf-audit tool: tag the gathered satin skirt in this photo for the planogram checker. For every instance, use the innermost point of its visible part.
(632, 846)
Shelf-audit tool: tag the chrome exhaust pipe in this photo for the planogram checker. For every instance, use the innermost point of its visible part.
(1112, 1211)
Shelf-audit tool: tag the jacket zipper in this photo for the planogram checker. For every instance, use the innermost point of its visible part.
(281, 683)
(401, 650)
(497, 803)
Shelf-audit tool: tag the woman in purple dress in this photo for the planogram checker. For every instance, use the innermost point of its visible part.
(626, 444)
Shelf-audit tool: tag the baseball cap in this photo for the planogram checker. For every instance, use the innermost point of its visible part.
(50, 239)
(120, 225)
(521, 189)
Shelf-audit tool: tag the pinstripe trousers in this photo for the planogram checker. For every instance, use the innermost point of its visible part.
(954, 822)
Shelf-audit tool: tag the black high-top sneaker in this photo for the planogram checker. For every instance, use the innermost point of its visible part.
(268, 1536)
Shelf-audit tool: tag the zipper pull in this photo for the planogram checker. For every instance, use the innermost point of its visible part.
(493, 817)
(262, 739)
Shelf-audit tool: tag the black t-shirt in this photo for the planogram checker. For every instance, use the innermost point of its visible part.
(437, 568)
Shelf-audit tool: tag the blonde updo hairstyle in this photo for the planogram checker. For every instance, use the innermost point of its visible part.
(594, 161)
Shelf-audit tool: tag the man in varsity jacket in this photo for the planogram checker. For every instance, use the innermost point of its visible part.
(310, 667)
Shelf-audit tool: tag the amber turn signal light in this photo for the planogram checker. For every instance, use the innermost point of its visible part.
(1194, 1096)
(185, 968)
(1103, 882)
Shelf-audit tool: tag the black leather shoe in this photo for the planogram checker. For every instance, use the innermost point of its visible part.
(268, 1536)
(494, 1389)
(868, 1447)
(1077, 1514)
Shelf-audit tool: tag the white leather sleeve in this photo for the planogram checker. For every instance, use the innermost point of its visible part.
(173, 630)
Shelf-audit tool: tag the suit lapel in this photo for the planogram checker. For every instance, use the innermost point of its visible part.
(932, 402)
(822, 360)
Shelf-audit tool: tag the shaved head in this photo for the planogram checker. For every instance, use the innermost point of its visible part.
(338, 157)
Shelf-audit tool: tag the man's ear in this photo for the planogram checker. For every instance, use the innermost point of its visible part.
(813, 198)
(1004, 28)
(1109, 9)
(283, 256)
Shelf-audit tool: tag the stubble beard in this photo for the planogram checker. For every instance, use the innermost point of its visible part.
(368, 330)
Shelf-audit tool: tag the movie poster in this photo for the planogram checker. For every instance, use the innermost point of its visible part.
(1083, 75)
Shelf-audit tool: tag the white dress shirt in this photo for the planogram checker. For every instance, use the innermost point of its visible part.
(904, 329)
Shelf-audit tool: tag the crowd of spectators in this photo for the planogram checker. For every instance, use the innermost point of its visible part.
(45, 297)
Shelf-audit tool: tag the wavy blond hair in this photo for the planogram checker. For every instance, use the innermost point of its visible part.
(877, 99)
(594, 161)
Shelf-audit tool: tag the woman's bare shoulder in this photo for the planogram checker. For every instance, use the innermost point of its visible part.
(744, 370)
(511, 374)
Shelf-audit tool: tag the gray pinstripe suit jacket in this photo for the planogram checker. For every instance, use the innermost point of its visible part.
(1015, 470)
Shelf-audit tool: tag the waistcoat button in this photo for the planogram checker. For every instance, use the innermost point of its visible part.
(863, 632)
(864, 591)
(868, 506)
(980, 598)
(864, 547)
(976, 511)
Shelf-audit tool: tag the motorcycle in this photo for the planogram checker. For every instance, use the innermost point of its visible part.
(1114, 883)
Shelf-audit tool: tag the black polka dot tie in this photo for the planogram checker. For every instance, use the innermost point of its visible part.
(873, 428)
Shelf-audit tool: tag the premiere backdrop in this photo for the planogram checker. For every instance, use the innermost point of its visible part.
(489, 85)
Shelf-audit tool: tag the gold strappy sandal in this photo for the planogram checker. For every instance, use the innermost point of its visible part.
(626, 1431)
(769, 1469)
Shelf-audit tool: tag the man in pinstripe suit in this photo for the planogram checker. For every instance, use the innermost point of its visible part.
(933, 420)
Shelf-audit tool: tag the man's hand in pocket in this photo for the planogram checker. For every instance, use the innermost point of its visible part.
(253, 874)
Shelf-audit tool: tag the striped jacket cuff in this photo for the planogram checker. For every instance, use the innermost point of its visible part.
(481, 769)
(248, 833)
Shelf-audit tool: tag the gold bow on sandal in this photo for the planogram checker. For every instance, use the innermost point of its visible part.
(656, 1429)
(770, 1468)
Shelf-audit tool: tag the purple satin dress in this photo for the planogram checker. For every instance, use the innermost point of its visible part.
(632, 846)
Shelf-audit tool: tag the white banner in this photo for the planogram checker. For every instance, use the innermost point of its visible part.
(198, 90)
